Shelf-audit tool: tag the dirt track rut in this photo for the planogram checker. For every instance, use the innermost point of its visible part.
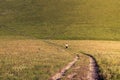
(81, 68)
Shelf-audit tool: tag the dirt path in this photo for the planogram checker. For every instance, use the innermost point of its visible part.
(60, 74)
(81, 68)
(93, 73)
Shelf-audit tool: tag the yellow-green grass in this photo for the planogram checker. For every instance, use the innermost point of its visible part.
(107, 54)
(30, 59)
(79, 70)
(40, 59)
(61, 19)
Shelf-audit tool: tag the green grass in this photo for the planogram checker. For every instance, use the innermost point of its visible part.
(56, 19)
(63, 19)
(106, 53)
(80, 68)
(30, 59)
(33, 59)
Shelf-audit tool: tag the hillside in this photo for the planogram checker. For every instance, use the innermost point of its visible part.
(61, 19)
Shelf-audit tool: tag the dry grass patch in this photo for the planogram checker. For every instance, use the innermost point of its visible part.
(30, 59)
(107, 54)
(80, 70)
(40, 59)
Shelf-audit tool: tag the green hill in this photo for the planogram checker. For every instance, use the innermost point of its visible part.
(61, 19)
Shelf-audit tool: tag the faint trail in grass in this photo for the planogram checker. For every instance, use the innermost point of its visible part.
(93, 70)
(60, 74)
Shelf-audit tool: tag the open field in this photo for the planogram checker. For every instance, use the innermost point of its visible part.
(40, 59)
(107, 54)
(61, 19)
(30, 59)
(33, 34)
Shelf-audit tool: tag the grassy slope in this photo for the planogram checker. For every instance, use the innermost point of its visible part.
(63, 19)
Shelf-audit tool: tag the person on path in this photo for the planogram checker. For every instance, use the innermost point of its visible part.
(66, 45)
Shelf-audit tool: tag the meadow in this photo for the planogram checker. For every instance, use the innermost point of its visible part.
(33, 59)
(107, 54)
(33, 34)
(63, 19)
(30, 59)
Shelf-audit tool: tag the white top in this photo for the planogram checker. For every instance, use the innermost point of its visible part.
(66, 44)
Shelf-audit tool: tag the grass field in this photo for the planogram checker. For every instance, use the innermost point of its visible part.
(30, 59)
(33, 34)
(107, 54)
(40, 59)
(63, 19)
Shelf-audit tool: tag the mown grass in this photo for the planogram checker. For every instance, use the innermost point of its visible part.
(27, 59)
(107, 54)
(73, 19)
